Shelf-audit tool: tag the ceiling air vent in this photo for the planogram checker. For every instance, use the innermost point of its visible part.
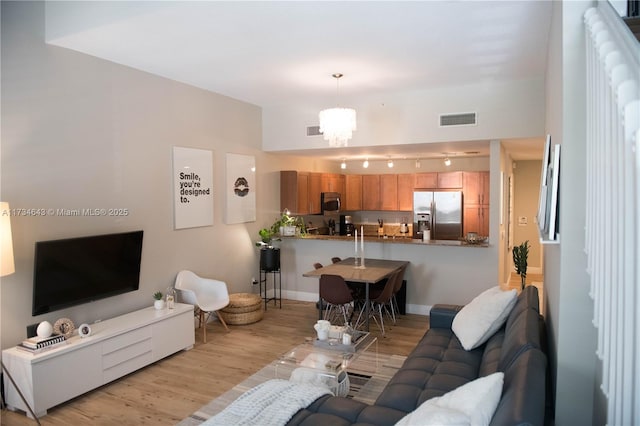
(313, 131)
(462, 119)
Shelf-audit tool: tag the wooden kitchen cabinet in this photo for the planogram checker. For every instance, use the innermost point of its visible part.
(332, 182)
(476, 219)
(370, 192)
(425, 180)
(389, 192)
(315, 188)
(294, 191)
(353, 193)
(476, 187)
(475, 192)
(449, 180)
(405, 192)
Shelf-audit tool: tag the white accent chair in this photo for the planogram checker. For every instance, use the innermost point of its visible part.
(207, 295)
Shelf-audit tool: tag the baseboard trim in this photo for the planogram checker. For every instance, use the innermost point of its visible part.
(313, 297)
(419, 309)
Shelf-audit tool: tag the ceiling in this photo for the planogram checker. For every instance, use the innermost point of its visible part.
(279, 53)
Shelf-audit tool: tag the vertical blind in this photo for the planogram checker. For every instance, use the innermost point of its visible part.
(612, 239)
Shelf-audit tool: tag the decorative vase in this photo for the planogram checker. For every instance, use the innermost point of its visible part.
(158, 304)
(45, 329)
(270, 259)
(171, 297)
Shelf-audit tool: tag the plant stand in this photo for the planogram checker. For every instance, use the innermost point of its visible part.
(270, 264)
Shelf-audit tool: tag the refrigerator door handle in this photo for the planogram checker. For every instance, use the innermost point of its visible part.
(432, 219)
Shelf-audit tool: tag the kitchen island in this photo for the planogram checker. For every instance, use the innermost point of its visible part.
(439, 271)
(394, 239)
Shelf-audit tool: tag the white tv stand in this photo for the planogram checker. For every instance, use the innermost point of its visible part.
(116, 347)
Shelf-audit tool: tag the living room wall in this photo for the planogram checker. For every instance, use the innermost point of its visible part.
(80, 132)
(569, 308)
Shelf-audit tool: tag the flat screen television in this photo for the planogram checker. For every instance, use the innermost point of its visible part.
(73, 271)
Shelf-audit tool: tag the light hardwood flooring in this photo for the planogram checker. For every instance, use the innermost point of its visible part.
(170, 390)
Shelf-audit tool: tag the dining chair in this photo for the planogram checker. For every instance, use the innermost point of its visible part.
(334, 291)
(207, 295)
(395, 309)
(379, 301)
(335, 259)
(317, 265)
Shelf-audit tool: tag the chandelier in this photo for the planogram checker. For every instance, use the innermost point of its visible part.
(337, 124)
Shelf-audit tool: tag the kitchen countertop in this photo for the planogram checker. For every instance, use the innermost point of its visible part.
(389, 240)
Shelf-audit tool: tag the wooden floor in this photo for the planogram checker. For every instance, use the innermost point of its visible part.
(172, 389)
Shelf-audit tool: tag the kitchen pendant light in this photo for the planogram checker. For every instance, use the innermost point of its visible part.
(337, 124)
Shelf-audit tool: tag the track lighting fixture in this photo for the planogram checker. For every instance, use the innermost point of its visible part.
(343, 165)
(366, 163)
(390, 163)
(447, 162)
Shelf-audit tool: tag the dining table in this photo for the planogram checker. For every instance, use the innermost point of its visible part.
(374, 271)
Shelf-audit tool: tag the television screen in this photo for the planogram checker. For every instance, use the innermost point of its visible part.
(79, 270)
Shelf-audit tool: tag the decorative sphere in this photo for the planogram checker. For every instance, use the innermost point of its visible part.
(45, 329)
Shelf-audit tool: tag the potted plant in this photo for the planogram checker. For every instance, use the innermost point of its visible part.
(158, 303)
(287, 224)
(520, 255)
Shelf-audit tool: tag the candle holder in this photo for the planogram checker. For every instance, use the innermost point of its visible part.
(359, 259)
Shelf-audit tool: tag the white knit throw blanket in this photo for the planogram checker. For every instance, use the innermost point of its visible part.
(271, 403)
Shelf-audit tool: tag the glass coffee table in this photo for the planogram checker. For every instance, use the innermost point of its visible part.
(327, 362)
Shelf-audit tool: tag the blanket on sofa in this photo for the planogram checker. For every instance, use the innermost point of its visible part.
(269, 404)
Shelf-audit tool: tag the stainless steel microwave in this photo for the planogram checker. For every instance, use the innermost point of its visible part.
(330, 202)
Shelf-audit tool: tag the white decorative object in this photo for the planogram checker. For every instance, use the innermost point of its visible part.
(322, 328)
(471, 404)
(84, 330)
(337, 124)
(240, 188)
(118, 346)
(158, 304)
(192, 187)
(45, 329)
(346, 339)
(483, 316)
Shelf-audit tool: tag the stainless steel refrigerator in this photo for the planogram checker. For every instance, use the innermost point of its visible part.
(438, 211)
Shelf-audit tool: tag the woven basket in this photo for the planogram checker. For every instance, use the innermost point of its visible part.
(242, 318)
(243, 308)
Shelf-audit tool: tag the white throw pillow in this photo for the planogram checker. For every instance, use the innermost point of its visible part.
(483, 316)
(472, 404)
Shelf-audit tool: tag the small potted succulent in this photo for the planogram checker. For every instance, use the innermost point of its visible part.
(158, 301)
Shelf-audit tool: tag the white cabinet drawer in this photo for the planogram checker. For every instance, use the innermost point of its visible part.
(127, 339)
(121, 355)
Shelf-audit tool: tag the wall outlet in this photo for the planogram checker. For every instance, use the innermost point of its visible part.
(32, 330)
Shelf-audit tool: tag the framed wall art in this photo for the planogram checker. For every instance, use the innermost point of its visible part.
(240, 188)
(192, 187)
